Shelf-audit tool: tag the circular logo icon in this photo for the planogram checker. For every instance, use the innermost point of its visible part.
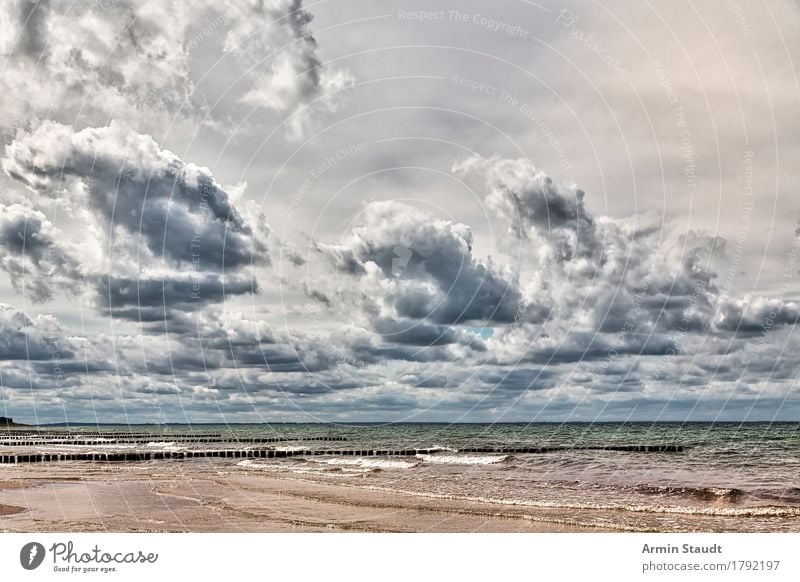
(31, 555)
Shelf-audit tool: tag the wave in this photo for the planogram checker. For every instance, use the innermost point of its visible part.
(166, 446)
(262, 466)
(344, 467)
(754, 511)
(702, 493)
(725, 494)
(463, 459)
(330, 466)
(787, 494)
(367, 462)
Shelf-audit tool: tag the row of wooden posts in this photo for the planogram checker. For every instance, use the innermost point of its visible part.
(278, 454)
(89, 442)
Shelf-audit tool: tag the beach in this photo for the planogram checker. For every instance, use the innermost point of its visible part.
(215, 497)
(412, 478)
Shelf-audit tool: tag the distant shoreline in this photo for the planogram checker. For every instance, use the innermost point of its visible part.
(404, 423)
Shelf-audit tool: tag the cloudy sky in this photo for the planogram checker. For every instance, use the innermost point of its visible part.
(278, 210)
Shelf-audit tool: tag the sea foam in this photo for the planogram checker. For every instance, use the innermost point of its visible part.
(464, 459)
(368, 462)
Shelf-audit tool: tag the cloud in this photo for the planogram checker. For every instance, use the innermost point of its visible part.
(167, 234)
(534, 206)
(407, 264)
(756, 316)
(87, 63)
(156, 299)
(84, 63)
(33, 21)
(627, 312)
(574, 310)
(33, 260)
(280, 54)
(609, 285)
(25, 338)
(131, 184)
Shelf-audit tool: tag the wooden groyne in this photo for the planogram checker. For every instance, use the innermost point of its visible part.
(222, 453)
(159, 438)
(620, 448)
(111, 435)
(277, 454)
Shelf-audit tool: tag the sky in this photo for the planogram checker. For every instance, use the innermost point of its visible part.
(459, 211)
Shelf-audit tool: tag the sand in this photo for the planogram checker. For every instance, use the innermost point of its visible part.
(218, 496)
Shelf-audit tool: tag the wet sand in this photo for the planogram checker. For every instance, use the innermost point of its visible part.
(10, 509)
(218, 496)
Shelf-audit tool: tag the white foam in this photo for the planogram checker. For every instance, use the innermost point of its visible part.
(368, 462)
(262, 466)
(754, 511)
(299, 469)
(166, 446)
(464, 459)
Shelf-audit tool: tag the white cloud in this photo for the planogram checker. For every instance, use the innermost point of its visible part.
(164, 227)
(84, 64)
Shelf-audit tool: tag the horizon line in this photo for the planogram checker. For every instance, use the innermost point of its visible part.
(378, 422)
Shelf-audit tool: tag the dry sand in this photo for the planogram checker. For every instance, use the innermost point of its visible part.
(218, 496)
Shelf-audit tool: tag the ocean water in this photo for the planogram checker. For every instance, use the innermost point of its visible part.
(728, 477)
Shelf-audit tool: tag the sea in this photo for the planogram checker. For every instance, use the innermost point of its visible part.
(664, 476)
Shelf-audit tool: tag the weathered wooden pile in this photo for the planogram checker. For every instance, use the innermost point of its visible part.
(234, 450)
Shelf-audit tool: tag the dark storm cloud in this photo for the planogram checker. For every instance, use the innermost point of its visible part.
(622, 289)
(302, 384)
(426, 267)
(431, 379)
(363, 348)
(416, 285)
(529, 200)
(165, 218)
(175, 209)
(571, 309)
(318, 296)
(24, 338)
(589, 346)
(755, 317)
(517, 379)
(414, 333)
(31, 257)
(155, 299)
(296, 355)
(72, 367)
(231, 341)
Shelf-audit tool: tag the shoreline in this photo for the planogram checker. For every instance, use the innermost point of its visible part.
(403, 479)
(231, 495)
(202, 496)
